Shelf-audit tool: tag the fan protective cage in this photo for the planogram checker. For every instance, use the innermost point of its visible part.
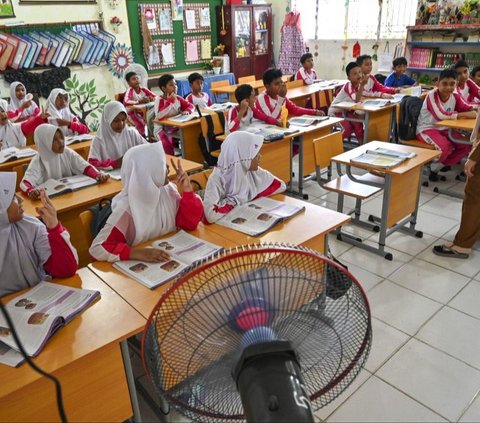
(140, 71)
(190, 346)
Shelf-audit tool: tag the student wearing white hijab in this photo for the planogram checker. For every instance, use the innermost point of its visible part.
(54, 161)
(31, 251)
(20, 108)
(113, 138)
(13, 134)
(238, 179)
(147, 207)
(60, 114)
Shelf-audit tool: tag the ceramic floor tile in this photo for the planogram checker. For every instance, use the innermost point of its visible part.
(400, 307)
(442, 206)
(376, 401)
(469, 267)
(430, 280)
(337, 247)
(472, 415)
(433, 378)
(434, 224)
(467, 300)
(375, 263)
(406, 243)
(367, 279)
(454, 333)
(386, 340)
(324, 412)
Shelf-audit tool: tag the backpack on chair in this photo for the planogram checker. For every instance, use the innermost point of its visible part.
(101, 213)
(212, 125)
(410, 107)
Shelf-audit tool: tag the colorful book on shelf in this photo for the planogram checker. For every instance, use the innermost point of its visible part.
(184, 250)
(37, 315)
(258, 216)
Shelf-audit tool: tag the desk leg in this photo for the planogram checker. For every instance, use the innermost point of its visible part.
(366, 127)
(137, 418)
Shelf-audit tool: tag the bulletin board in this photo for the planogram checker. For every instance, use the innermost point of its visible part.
(176, 34)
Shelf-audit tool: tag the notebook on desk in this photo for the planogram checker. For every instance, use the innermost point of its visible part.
(382, 157)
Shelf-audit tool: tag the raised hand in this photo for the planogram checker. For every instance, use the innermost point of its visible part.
(47, 211)
(34, 194)
(44, 115)
(182, 178)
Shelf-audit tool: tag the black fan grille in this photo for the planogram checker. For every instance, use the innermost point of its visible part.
(191, 347)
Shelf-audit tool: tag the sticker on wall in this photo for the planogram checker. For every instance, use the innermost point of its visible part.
(121, 57)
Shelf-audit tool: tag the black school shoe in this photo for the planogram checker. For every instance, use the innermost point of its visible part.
(442, 250)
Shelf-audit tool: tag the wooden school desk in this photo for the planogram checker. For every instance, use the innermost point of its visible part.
(308, 228)
(82, 148)
(71, 204)
(85, 356)
(378, 124)
(401, 192)
(466, 125)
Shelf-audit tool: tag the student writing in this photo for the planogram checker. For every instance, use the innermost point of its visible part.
(31, 251)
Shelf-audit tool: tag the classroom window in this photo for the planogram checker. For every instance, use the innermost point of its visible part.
(362, 18)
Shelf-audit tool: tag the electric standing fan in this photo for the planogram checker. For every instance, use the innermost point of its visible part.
(258, 333)
(140, 71)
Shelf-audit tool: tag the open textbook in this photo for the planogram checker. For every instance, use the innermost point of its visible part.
(74, 139)
(184, 250)
(184, 118)
(37, 315)
(383, 157)
(269, 132)
(218, 107)
(258, 216)
(115, 174)
(14, 153)
(69, 184)
(306, 120)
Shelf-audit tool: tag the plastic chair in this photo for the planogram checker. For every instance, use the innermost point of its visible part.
(86, 218)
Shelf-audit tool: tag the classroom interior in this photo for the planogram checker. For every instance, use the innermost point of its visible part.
(423, 363)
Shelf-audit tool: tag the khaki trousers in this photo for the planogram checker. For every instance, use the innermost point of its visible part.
(469, 231)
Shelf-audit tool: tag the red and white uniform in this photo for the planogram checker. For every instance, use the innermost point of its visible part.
(133, 97)
(307, 76)
(373, 88)
(347, 93)
(469, 91)
(165, 108)
(269, 109)
(434, 110)
(202, 100)
(146, 208)
(234, 123)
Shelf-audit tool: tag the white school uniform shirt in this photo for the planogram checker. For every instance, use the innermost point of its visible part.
(49, 165)
(55, 113)
(109, 144)
(307, 77)
(145, 208)
(245, 121)
(201, 101)
(11, 134)
(231, 182)
(264, 102)
(434, 110)
(15, 103)
(347, 93)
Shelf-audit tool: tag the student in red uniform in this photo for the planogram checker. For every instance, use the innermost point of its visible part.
(21, 108)
(475, 75)
(135, 95)
(269, 103)
(54, 161)
(147, 207)
(30, 250)
(306, 73)
(469, 91)
(240, 117)
(373, 88)
(443, 103)
(238, 179)
(351, 91)
(167, 105)
(13, 134)
(197, 97)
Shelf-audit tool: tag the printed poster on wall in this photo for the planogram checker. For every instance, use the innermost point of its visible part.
(177, 10)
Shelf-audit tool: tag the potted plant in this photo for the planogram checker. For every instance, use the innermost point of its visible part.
(207, 66)
(219, 50)
(115, 22)
(216, 65)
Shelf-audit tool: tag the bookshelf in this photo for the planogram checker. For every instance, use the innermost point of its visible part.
(431, 48)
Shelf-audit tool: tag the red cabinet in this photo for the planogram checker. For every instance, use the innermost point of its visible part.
(246, 32)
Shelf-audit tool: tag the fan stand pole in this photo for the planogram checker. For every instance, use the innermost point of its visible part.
(130, 381)
(269, 383)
